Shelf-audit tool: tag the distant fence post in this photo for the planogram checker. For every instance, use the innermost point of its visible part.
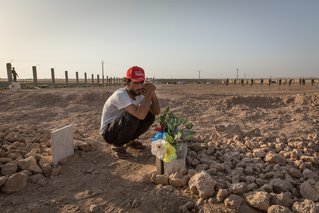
(103, 79)
(92, 78)
(9, 72)
(98, 79)
(107, 79)
(85, 78)
(52, 76)
(66, 77)
(77, 77)
(35, 77)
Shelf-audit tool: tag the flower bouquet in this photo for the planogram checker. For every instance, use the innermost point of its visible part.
(172, 132)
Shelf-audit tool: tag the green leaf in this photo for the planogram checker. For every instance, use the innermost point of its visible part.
(178, 135)
(189, 125)
(169, 138)
(183, 120)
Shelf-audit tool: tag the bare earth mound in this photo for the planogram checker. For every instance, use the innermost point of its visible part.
(248, 139)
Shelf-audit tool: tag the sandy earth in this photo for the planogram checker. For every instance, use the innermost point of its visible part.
(92, 181)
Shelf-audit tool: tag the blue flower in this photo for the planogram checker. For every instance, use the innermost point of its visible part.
(158, 136)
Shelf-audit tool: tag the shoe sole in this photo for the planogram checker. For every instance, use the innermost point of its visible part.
(118, 155)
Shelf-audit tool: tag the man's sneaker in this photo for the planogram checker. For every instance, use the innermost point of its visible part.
(119, 152)
(135, 144)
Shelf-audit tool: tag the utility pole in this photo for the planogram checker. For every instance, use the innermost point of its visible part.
(199, 74)
(237, 74)
(102, 72)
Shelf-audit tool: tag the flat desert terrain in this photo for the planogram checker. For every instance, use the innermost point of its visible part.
(259, 146)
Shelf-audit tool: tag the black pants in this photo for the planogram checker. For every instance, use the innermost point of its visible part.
(127, 128)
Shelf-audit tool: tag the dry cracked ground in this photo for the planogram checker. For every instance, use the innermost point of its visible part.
(256, 149)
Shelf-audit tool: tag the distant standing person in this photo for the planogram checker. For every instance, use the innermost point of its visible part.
(129, 112)
(312, 82)
(14, 74)
(227, 82)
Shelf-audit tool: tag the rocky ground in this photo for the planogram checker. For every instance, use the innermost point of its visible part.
(256, 149)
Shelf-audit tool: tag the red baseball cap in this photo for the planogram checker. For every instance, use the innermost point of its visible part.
(136, 74)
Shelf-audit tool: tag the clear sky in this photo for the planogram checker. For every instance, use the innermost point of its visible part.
(168, 38)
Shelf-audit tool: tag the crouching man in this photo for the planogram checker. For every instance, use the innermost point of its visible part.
(129, 112)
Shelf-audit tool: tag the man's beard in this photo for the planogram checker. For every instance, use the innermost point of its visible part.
(135, 92)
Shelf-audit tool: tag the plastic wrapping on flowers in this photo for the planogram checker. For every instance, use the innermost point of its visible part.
(168, 138)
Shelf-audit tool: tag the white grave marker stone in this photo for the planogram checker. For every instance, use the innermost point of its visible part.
(62, 144)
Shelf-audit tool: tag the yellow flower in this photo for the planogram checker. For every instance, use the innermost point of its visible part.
(170, 153)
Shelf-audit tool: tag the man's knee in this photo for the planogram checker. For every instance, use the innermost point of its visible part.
(149, 119)
(152, 117)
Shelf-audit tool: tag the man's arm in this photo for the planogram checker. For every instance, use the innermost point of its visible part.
(141, 111)
(155, 107)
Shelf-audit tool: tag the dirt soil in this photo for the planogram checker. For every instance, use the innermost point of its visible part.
(93, 181)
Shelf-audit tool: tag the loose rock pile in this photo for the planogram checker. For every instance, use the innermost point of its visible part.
(253, 171)
(25, 157)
